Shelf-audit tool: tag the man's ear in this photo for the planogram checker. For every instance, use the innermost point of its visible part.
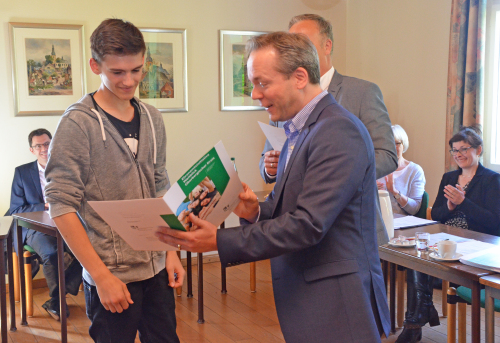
(95, 66)
(328, 46)
(32, 151)
(301, 77)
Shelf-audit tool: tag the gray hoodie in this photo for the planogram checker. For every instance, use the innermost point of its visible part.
(90, 161)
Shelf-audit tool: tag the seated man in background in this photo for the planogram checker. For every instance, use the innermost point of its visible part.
(28, 195)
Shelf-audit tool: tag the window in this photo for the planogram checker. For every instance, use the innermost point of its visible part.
(491, 129)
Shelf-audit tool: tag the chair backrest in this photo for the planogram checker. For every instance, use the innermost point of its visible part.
(422, 212)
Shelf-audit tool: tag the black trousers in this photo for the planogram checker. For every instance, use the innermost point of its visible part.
(152, 314)
(46, 247)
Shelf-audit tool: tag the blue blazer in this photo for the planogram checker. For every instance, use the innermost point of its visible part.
(481, 205)
(26, 194)
(318, 228)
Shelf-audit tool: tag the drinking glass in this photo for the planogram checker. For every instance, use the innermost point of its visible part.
(422, 239)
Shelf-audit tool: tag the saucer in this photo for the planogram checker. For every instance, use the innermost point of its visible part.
(437, 258)
(410, 245)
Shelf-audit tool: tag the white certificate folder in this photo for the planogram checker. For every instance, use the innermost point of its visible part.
(209, 190)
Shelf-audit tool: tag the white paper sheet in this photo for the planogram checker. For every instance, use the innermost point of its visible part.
(407, 222)
(275, 135)
(442, 236)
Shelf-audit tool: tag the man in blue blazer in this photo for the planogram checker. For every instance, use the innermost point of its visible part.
(360, 97)
(28, 195)
(318, 224)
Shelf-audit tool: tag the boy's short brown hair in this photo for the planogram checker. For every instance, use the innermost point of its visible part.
(116, 37)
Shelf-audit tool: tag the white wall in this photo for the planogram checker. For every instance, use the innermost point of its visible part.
(189, 134)
(402, 45)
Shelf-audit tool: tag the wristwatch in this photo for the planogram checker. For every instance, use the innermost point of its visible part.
(397, 196)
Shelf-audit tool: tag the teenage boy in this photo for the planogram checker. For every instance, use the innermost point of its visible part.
(111, 146)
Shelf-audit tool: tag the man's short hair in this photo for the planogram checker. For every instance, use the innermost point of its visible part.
(294, 50)
(38, 132)
(116, 37)
(325, 28)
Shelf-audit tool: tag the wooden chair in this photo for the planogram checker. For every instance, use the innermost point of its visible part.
(28, 254)
(462, 296)
(492, 304)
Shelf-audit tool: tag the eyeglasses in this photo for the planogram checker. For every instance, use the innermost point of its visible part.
(462, 151)
(39, 146)
(398, 143)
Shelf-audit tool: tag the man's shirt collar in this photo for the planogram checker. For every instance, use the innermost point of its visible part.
(326, 79)
(297, 123)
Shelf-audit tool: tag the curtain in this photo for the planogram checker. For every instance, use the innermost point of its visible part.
(465, 68)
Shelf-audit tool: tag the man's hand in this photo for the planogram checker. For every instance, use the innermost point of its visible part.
(113, 293)
(248, 207)
(46, 206)
(174, 269)
(271, 162)
(203, 239)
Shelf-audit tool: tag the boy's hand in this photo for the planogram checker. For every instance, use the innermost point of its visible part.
(174, 269)
(113, 294)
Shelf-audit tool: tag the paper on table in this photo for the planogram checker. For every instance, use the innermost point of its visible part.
(407, 222)
(436, 237)
(487, 259)
(473, 246)
(275, 135)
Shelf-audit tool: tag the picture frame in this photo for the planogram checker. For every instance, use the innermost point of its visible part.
(48, 72)
(235, 88)
(164, 84)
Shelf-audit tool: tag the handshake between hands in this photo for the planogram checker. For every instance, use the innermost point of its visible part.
(204, 237)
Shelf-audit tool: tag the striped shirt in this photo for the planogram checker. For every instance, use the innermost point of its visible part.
(294, 126)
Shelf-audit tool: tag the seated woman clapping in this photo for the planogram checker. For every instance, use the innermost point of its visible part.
(469, 197)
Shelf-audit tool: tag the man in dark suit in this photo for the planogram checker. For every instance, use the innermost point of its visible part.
(361, 98)
(28, 195)
(318, 224)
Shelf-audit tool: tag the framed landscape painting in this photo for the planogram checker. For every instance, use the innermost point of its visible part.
(48, 72)
(164, 82)
(236, 88)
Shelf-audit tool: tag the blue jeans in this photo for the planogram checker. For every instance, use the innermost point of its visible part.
(152, 313)
(46, 247)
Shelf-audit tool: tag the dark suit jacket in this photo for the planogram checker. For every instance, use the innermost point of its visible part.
(482, 201)
(317, 226)
(26, 195)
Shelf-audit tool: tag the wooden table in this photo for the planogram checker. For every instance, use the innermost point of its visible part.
(451, 271)
(492, 291)
(41, 221)
(6, 235)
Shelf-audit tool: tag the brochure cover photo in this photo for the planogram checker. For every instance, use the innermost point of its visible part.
(208, 190)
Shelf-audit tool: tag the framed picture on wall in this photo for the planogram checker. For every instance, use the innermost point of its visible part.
(48, 70)
(164, 82)
(236, 88)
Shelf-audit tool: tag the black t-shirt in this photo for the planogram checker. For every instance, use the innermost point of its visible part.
(128, 130)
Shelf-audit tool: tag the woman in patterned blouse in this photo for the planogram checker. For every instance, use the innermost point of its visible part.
(469, 197)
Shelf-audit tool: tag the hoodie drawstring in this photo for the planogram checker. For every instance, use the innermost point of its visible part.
(153, 130)
(100, 123)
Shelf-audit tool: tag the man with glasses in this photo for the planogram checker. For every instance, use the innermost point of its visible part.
(28, 195)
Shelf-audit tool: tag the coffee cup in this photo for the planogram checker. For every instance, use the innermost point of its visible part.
(447, 249)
